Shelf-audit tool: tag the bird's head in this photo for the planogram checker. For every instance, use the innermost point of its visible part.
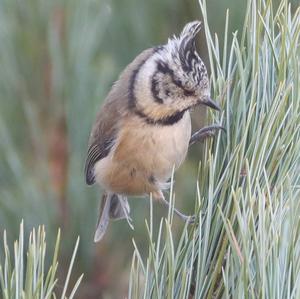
(181, 77)
(177, 78)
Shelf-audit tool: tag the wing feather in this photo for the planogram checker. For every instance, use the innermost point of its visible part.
(96, 152)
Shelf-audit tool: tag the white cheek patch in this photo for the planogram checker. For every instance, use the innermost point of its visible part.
(143, 83)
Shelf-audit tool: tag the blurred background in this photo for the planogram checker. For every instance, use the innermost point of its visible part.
(58, 60)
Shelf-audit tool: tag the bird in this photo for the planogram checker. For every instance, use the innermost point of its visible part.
(143, 128)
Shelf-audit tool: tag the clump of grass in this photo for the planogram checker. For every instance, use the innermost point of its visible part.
(246, 243)
(24, 274)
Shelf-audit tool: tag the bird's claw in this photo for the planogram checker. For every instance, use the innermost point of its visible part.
(191, 219)
(205, 132)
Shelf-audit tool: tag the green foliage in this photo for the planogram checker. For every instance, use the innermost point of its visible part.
(246, 243)
(28, 277)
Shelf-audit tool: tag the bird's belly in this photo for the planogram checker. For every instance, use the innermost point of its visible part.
(170, 148)
(143, 157)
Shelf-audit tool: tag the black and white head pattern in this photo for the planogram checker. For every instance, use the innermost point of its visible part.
(172, 80)
(182, 58)
(180, 73)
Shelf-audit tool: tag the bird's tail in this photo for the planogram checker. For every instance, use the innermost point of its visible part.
(113, 206)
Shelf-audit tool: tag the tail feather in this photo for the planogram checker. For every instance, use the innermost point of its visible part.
(113, 206)
(103, 219)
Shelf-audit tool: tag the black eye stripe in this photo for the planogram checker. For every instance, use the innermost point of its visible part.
(164, 68)
(188, 93)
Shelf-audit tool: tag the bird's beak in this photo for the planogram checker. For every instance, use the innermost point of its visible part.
(212, 104)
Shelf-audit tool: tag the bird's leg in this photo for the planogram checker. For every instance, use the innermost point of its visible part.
(189, 219)
(161, 199)
(205, 132)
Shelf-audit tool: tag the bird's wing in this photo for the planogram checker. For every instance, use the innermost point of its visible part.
(109, 118)
(103, 136)
(97, 151)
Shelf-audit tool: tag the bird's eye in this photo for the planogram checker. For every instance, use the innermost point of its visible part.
(188, 93)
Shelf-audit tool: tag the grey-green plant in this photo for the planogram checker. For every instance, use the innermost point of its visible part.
(24, 272)
(246, 242)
